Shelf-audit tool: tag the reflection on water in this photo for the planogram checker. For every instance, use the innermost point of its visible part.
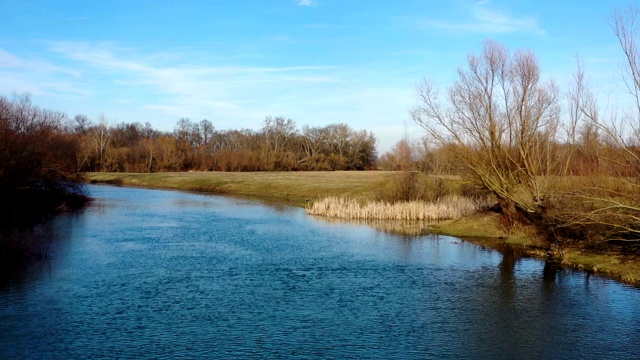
(29, 247)
(397, 227)
(161, 274)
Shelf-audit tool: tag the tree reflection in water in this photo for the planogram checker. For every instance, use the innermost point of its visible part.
(27, 253)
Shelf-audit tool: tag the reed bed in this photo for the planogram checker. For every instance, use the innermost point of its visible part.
(449, 207)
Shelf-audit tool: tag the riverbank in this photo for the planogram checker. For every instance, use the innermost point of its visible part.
(293, 188)
(297, 188)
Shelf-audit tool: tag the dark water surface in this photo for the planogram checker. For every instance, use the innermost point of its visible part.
(161, 274)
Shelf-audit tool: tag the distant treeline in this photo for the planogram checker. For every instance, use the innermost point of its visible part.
(278, 146)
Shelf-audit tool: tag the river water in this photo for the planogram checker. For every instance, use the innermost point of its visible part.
(165, 274)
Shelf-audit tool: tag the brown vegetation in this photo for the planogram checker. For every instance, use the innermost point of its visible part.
(608, 207)
(277, 146)
(37, 173)
(37, 157)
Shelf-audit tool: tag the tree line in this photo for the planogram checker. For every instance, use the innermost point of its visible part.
(278, 146)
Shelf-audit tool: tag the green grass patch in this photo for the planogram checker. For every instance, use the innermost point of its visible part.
(614, 264)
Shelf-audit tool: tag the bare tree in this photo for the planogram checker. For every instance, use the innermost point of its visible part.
(312, 141)
(277, 133)
(626, 132)
(81, 124)
(361, 150)
(625, 23)
(402, 156)
(207, 131)
(101, 137)
(502, 120)
(610, 208)
(338, 138)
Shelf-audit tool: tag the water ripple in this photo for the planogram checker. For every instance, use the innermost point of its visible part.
(234, 279)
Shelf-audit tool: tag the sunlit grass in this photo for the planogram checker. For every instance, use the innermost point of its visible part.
(625, 268)
(291, 187)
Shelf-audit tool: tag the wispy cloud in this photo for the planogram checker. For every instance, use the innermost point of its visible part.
(161, 87)
(36, 76)
(307, 3)
(488, 21)
(108, 57)
(9, 60)
(191, 88)
(505, 23)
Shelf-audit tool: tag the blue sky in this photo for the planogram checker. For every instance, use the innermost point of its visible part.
(318, 62)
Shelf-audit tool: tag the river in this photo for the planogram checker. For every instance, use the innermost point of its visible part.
(165, 274)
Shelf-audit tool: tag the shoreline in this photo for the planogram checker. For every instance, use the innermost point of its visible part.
(296, 188)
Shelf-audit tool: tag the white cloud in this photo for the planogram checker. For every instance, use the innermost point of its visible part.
(503, 23)
(484, 20)
(12, 61)
(307, 3)
(36, 76)
(174, 87)
(8, 60)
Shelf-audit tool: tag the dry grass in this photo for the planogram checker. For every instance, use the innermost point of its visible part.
(449, 207)
(482, 224)
(292, 188)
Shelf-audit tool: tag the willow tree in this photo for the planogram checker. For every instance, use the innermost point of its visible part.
(500, 120)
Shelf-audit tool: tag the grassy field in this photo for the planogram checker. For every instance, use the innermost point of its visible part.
(294, 188)
(290, 187)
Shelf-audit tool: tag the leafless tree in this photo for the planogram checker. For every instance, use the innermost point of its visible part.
(502, 120)
(609, 208)
(100, 139)
(207, 131)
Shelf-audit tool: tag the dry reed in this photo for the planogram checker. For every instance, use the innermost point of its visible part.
(449, 207)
